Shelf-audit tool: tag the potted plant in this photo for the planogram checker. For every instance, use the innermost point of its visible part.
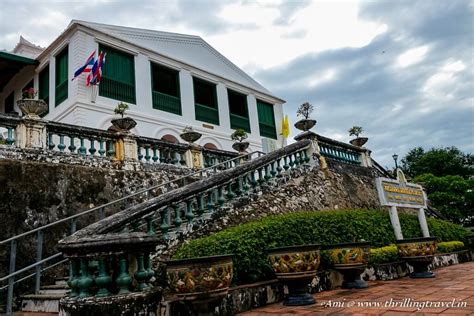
(204, 281)
(31, 107)
(356, 131)
(190, 135)
(351, 260)
(239, 135)
(296, 267)
(305, 111)
(123, 124)
(419, 253)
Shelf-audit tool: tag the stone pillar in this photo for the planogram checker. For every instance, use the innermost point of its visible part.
(397, 229)
(126, 148)
(423, 223)
(313, 151)
(194, 158)
(366, 161)
(31, 133)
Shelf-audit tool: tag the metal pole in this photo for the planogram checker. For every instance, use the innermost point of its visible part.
(11, 280)
(101, 213)
(39, 255)
(397, 229)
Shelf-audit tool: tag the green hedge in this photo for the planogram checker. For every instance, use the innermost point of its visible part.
(383, 255)
(249, 241)
(450, 246)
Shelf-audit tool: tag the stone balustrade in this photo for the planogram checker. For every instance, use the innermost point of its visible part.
(152, 150)
(121, 243)
(343, 152)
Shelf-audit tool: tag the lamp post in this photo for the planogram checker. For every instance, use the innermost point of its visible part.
(395, 157)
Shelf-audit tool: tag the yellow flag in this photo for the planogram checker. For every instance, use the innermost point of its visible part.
(285, 127)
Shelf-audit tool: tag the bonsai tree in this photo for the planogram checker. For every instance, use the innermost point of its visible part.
(121, 108)
(239, 135)
(355, 130)
(305, 110)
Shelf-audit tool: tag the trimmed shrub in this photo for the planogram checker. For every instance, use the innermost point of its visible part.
(383, 255)
(249, 241)
(450, 246)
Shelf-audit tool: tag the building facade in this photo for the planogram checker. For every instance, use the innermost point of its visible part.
(169, 80)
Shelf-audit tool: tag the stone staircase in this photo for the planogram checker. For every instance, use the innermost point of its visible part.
(47, 299)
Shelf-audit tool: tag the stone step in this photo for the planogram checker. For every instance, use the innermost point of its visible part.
(61, 281)
(45, 303)
(34, 314)
(55, 287)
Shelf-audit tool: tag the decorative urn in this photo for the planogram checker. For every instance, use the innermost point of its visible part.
(204, 281)
(351, 260)
(305, 124)
(124, 124)
(240, 146)
(296, 267)
(189, 135)
(359, 141)
(419, 253)
(32, 108)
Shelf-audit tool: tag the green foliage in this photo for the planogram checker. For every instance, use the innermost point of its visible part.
(383, 255)
(121, 108)
(450, 246)
(305, 110)
(355, 130)
(453, 196)
(440, 162)
(248, 241)
(239, 135)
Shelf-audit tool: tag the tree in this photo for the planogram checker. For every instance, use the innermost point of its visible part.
(453, 196)
(439, 162)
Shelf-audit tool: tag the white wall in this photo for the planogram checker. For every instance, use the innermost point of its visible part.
(79, 109)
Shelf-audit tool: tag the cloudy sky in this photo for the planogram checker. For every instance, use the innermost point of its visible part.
(401, 69)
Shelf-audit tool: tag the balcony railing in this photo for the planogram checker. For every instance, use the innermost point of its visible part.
(152, 150)
(340, 151)
(166, 102)
(8, 123)
(207, 114)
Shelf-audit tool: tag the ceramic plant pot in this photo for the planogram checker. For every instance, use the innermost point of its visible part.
(305, 125)
(295, 267)
(359, 141)
(124, 124)
(204, 281)
(350, 259)
(32, 108)
(419, 253)
(190, 137)
(241, 146)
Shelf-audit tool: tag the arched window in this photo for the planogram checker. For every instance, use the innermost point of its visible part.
(210, 146)
(170, 138)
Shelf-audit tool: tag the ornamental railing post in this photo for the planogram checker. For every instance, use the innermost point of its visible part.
(194, 157)
(31, 133)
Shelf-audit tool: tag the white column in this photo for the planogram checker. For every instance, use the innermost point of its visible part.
(423, 223)
(143, 83)
(253, 116)
(223, 104)
(187, 95)
(397, 229)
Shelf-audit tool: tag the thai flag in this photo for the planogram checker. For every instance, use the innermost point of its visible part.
(87, 66)
(95, 75)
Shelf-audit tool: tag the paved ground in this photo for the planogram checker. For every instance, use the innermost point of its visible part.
(451, 283)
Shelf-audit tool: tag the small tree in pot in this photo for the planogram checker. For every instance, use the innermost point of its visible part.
(356, 131)
(304, 111)
(239, 136)
(123, 124)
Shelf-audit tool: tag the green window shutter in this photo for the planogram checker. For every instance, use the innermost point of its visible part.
(118, 75)
(165, 89)
(266, 119)
(43, 93)
(205, 98)
(61, 76)
(238, 109)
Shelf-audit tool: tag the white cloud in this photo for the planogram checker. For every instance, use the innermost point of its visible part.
(412, 56)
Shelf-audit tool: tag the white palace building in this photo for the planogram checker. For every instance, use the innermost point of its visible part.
(169, 80)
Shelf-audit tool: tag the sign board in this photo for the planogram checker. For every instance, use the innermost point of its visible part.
(399, 193)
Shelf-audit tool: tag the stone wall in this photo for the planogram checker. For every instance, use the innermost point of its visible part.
(38, 187)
